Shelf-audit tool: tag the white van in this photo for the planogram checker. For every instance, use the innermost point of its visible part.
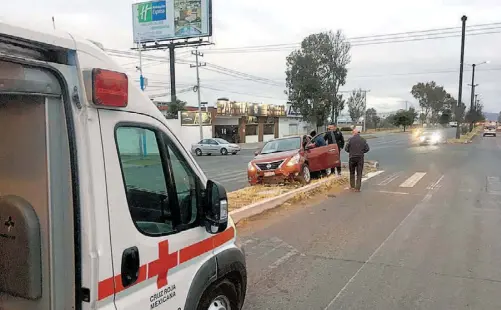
(100, 205)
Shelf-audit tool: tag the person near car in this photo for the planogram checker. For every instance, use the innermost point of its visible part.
(356, 147)
(334, 135)
(318, 140)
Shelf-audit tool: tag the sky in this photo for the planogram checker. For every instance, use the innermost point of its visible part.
(388, 70)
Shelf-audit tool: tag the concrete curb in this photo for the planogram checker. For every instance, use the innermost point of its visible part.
(273, 202)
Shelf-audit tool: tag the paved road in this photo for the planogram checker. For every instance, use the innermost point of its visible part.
(424, 234)
(231, 170)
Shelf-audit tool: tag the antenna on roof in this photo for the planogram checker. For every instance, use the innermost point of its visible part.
(53, 23)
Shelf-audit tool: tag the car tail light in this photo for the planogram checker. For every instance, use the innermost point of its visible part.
(109, 88)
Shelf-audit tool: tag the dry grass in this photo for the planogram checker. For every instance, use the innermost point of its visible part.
(256, 193)
(467, 137)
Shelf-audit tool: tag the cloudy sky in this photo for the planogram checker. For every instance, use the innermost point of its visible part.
(387, 70)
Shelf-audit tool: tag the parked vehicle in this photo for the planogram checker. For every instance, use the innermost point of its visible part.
(214, 146)
(453, 124)
(100, 205)
(292, 159)
(490, 130)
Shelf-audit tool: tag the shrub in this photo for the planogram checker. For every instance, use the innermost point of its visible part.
(346, 129)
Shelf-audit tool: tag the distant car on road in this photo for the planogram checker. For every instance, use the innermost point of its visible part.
(431, 136)
(453, 124)
(490, 130)
(214, 146)
(292, 159)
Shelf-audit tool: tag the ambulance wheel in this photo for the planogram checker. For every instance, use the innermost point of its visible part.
(221, 296)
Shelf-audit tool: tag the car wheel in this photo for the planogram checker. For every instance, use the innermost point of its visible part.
(222, 296)
(224, 151)
(198, 152)
(305, 175)
(234, 153)
(328, 171)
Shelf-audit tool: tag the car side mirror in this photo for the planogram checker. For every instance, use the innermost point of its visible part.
(256, 153)
(216, 208)
(310, 146)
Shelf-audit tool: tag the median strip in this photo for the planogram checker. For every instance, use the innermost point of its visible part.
(253, 200)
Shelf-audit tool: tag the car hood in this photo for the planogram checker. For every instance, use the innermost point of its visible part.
(274, 156)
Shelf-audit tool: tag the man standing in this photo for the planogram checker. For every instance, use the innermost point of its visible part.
(334, 135)
(356, 147)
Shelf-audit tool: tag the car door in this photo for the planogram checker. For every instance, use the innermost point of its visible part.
(154, 206)
(316, 156)
(214, 146)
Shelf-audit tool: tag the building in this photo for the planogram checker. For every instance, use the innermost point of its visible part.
(293, 124)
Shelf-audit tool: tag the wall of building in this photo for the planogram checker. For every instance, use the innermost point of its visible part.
(284, 126)
(188, 135)
(227, 121)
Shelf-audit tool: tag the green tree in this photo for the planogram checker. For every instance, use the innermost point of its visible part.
(314, 74)
(356, 104)
(445, 117)
(476, 114)
(405, 118)
(371, 118)
(432, 98)
(174, 108)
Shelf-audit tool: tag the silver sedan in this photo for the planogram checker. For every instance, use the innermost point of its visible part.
(214, 146)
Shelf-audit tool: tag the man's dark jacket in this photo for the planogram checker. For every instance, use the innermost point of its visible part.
(357, 146)
(335, 135)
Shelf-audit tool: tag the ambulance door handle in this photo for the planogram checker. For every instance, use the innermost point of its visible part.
(130, 266)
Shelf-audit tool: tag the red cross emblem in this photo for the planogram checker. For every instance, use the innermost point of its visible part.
(163, 264)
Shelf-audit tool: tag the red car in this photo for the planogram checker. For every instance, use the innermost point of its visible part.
(292, 159)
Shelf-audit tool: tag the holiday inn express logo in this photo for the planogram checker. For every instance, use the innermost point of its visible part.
(151, 11)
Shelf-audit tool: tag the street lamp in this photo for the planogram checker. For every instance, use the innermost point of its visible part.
(473, 86)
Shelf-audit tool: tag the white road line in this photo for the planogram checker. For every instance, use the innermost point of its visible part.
(436, 184)
(395, 193)
(413, 179)
(425, 199)
(389, 178)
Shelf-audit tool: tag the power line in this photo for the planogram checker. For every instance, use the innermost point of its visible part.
(240, 93)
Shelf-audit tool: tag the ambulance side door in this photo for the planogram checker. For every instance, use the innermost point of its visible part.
(155, 214)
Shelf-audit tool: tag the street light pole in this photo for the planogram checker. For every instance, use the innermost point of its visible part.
(460, 91)
(472, 103)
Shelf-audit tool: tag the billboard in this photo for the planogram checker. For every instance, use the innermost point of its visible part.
(162, 20)
(190, 118)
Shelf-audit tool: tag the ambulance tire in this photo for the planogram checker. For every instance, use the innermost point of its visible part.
(219, 292)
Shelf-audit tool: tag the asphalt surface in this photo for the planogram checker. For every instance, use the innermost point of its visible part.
(231, 170)
(424, 234)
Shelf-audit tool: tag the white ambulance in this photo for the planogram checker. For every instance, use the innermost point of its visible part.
(100, 205)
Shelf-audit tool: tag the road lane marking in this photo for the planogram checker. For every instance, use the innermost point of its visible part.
(389, 179)
(413, 179)
(424, 200)
(436, 184)
(395, 193)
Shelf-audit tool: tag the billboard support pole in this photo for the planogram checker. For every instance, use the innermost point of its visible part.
(172, 63)
(198, 65)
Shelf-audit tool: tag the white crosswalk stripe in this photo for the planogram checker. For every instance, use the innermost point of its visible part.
(413, 179)
(392, 177)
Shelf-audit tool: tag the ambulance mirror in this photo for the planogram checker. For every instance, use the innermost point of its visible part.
(20, 249)
(216, 208)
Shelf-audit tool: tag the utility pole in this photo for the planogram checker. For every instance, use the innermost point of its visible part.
(53, 23)
(460, 91)
(198, 65)
(172, 65)
(364, 127)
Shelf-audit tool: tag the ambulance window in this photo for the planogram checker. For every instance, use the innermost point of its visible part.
(145, 182)
(186, 182)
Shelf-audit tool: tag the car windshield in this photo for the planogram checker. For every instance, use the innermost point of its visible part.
(221, 141)
(281, 145)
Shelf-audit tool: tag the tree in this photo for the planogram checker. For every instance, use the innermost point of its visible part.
(371, 118)
(174, 108)
(476, 114)
(432, 98)
(405, 118)
(314, 74)
(356, 104)
(445, 117)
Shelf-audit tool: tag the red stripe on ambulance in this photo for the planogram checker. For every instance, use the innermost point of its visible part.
(166, 261)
